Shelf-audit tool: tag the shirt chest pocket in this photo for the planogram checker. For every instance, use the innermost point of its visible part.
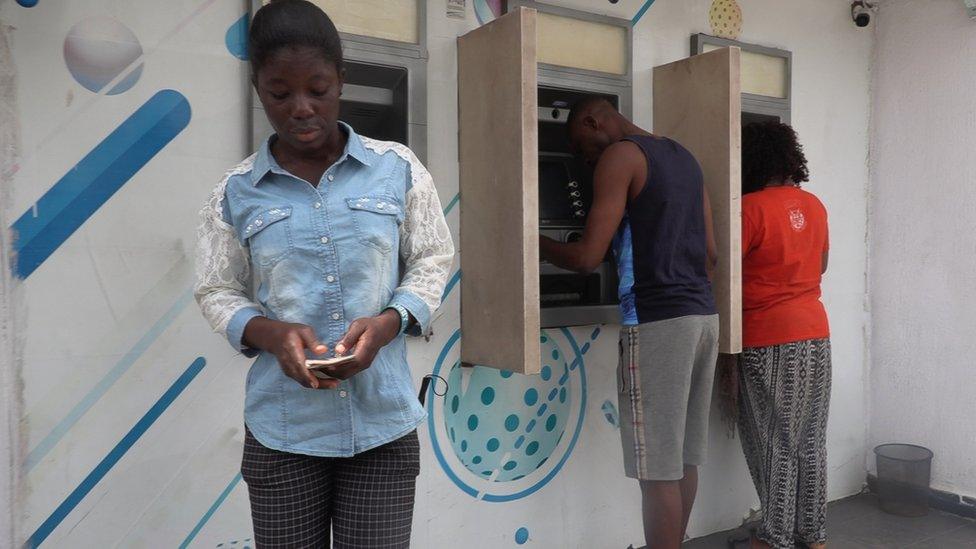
(376, 220)
(268, 235)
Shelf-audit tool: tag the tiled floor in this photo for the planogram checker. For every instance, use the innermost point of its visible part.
(858, 523)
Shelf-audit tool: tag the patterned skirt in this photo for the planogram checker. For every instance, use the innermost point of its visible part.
(784, 396)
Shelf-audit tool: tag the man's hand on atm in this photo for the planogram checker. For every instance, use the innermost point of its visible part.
(566, 255)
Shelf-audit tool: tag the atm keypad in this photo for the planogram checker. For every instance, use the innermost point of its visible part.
(576, 199)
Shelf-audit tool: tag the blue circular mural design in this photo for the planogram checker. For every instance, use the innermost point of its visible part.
(236, 38)
(522, 535)
(512, 433)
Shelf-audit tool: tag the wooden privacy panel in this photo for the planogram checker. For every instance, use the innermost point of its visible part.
(697, 102)
(498, 148)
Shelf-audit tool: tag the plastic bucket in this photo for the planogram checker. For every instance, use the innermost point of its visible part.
(904, 471)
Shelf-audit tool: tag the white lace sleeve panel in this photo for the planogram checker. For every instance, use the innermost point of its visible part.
(425, 240)
(223, 265)
(426, 246)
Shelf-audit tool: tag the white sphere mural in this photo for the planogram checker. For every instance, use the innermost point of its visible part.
(99, 49)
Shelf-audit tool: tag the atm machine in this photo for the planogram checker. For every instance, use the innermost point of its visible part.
(517, 79)
(565, 196)
(385, 92)
(565, 182)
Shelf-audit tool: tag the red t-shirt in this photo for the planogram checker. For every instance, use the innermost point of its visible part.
(784, 237)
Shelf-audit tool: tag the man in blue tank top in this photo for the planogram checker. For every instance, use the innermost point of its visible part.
(649, 202)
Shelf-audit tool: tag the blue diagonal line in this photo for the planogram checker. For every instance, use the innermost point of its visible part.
(109, 379)
(96, 177)
(210, 512)
(113, 457)
(641, 12)
(452, 203)
(450, 285)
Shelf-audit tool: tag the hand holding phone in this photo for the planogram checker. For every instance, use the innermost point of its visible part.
(290, 344)
(318, 367)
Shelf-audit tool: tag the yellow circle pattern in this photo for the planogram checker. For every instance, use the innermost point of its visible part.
(725, 16)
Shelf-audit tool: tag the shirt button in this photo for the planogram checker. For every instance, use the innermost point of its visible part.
(336, 316)
(342, 394)
(318, 205)
(331, 177)
(330, 278)
(325, 240)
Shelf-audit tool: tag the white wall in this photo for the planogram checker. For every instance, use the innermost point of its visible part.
(923, 271)
(108, 314)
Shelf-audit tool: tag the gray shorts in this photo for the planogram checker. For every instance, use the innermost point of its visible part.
(664, 392)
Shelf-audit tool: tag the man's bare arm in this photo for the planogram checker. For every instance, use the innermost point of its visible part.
(611, 183)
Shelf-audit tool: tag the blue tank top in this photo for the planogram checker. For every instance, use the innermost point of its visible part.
(660, 246)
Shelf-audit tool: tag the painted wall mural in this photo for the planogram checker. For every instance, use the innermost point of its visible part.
(99, 49)
(488, 10)
(93, 180)
(725, 18)
(501, 436)
(138, 444)
(129, 113)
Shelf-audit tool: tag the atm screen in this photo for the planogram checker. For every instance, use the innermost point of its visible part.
(563, 201)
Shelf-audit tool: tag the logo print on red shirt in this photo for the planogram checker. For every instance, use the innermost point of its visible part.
(797, 220)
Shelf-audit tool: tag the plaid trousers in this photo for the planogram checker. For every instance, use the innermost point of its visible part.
(365, 500)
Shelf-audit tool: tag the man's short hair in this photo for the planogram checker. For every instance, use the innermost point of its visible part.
(586, 105)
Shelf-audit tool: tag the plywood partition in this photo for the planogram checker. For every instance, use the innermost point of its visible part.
(497, 87)
(697, 102)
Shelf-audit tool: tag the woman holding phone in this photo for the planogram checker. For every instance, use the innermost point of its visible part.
(300, 248)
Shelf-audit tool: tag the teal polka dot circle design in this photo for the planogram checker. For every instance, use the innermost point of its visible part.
(501, 436)
(507, 425)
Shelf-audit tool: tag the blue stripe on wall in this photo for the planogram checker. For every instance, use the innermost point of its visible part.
(109, 379)
(450, 205)
(210, 512)
(91, 182)
(641, 12)
(450, 285)
(113, 457)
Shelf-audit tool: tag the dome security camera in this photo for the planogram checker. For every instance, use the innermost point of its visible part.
(861, 11)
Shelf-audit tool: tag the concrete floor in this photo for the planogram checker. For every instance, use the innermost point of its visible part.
(858, 523)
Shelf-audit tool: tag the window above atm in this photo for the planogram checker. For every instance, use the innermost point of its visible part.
(578, 44)
(762, 74)
(765, 71)
(394, 20)
(580, 41)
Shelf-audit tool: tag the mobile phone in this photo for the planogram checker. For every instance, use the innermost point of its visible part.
(321, 375)
(316, 364)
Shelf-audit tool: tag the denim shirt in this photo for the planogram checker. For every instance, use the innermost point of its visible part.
(371, 234)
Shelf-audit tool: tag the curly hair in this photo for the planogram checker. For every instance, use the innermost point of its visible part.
(771, 153)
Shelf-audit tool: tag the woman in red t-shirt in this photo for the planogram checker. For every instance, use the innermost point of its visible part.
(784, 374)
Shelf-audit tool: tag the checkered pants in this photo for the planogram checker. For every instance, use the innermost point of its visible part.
(785, 396)
(366, 500)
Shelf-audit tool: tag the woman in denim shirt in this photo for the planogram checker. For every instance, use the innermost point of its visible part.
(323, 237)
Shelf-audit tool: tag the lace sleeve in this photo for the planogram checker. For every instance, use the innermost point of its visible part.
(222, 264)
(425, 240)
